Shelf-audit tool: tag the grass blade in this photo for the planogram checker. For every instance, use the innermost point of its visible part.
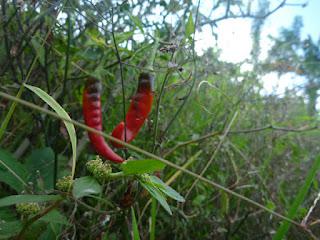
(62, 113)
(285, 225)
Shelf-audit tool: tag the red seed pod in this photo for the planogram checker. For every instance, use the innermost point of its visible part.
(91, 105)
(139, 109)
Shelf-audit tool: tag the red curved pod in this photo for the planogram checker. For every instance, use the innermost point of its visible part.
(91, 105)
(139, 109)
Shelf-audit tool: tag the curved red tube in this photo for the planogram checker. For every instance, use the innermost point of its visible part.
(139, 109)
(91, 105)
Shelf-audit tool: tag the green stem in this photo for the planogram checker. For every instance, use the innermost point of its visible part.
(153, 219)
(116, 175)
(153, 54)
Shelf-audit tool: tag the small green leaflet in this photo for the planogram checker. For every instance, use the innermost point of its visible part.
(62, 113)
(189, 26)
(157, 194)
(169, 191)
(141, 166)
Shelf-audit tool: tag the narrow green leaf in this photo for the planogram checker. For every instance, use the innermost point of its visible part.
(62, 113)
(293, 210)
(135, 229)
(141, 166)
(157, 194)
(169, 191)
(6, 120)
(39, 49)
(15, 199)
(85, 186)
(153, 219)
(189, 26)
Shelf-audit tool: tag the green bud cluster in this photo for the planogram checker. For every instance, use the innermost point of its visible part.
(64, 184)
(99, 169)
(27, 209)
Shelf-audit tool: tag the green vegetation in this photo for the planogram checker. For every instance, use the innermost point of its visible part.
(216, 159)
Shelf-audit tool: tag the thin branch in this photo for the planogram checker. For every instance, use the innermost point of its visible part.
(247, 15)
(260, 129)
(214, 153)
(121, 77)
(185, 99)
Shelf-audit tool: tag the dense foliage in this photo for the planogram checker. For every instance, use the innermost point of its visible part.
(258, 153)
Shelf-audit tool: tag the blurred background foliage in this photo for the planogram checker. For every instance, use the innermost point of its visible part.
(263, 146)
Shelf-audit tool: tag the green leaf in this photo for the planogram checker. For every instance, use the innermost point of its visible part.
(12, 172)
(189, 26)
(157, 194)
(153, 219)
(293, 210)
(135, 229)
(9, 229)
(170, 192)
(40, 164)
(85, 186)
(6, 214)
(137, 21)
(62, 113)
(121, 37)
(55, 216)
(39, 50)
(141, 166)
(15, 199)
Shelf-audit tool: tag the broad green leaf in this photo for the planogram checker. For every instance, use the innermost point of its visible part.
(52, 232)
(9, 229)
(135, 229)
(62, 113)
(55, 216)
(169, 191)
(142, 166)
(15, 199)
(293, 210)
(189, 26)
(157, 194)
(85, 186)
(12, 172)
(40, 165)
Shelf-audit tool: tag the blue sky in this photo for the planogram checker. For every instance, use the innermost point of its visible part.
(234, 38)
